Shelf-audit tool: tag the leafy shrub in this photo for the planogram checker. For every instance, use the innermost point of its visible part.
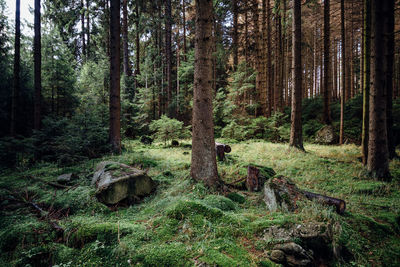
(167, 129)
(234, 131)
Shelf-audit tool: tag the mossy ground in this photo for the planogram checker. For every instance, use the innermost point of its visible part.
(184, 223)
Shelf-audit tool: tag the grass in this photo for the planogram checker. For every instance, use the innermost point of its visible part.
(184, 223)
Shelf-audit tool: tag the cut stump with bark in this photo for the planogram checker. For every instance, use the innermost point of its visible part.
(221, 149)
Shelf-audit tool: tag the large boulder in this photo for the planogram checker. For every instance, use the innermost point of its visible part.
(116, 182)
(326, 135)
(281, 194)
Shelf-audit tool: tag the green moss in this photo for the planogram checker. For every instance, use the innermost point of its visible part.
(186, 208)
(236, 197)
(219, 202)
(172, 254)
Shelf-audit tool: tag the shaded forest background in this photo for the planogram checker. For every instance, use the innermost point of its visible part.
(252, 81)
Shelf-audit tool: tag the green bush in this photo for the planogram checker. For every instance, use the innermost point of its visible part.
(234, 131)
(167, 129)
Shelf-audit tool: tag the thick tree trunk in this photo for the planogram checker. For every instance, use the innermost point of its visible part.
(296, 137)
(37, 58)
(366, 79)
(343, 76)
(17, 63)
(204, 164)
(168, 53)
(127, 66)
(378, 154)
(115, 102)
(327, 57)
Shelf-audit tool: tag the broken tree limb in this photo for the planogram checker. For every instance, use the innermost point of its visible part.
(331, 201)
(221, 149)
(56, 185)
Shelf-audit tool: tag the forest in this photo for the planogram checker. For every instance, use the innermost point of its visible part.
(200, 133)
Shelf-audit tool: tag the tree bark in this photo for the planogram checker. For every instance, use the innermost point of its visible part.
(343, 74)
(296, 137)
(366, 80)
(17, 63)
(115, 102)
(378, 154)
(37, 58)
(204, 164)
(327, 74)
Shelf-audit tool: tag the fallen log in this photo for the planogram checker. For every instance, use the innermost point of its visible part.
(221, 149)
(331, 201)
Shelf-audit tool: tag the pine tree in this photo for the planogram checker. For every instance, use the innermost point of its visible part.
(204, 165)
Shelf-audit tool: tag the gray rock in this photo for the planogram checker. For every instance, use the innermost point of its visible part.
(66, 178)
(116, 182)
(277, 256)
(316, 239)
(281, 194)
(326, 135)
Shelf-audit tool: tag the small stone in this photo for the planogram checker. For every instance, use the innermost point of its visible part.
(66, 178)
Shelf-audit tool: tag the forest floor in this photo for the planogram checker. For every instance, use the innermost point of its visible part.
(185, 224)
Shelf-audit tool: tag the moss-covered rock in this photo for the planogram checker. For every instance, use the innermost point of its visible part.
(116, 182)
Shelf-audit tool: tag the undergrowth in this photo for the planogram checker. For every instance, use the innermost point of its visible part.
(185, 224)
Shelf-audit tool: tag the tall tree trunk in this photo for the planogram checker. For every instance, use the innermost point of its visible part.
(168, 53)
(127, 66)
(184, 29)
(235, 42)
(296, 136)
(389, 58)
(37, 58)
(258, 56)
(88, 27)
(278, 61)
(137, 44)
(378, 154)
(115, 102)
(334, 72)
(204, 164)
(327, 57)
(83, 31)
(343, 77)
(263, 68)
(366, 79)
(315, 60)
(269, 58)
(17, 63)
